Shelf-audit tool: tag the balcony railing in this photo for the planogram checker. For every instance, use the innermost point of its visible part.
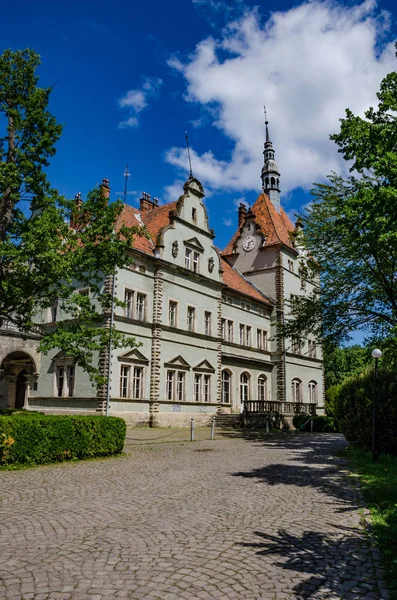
(274, 406)
(6, 325)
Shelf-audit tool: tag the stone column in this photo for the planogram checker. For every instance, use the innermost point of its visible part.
(12, 390)
(29, 382)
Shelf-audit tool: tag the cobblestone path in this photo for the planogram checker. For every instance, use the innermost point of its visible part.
(230, 519)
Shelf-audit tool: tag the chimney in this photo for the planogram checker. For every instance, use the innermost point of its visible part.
(242, 211)
(146, 204)
(105, 187)
(76, 210)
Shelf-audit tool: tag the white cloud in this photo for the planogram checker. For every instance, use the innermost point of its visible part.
(135, 101)
(238, 201)
(307, 65)
(228, 222)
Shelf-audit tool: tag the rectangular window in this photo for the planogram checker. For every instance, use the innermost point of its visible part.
(197, 387)
(180, 386)
(196, 258)
(172, 313)
(54, 310)
(137, 382)
(207, 322)
(188, 258)
(129, 304)
(141, 307)
(248, 335)
(60, 380)
(296, 345)
(261, 339)
(124, 381)
(230, 331)
(312, 348)
(190, 318)
(242, 334)
(170, 387)
(291, 265)
(194, 214)
(207, 388)
(70, 379)
(223, 329)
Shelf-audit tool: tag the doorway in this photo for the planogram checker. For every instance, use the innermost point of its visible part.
(21, 389)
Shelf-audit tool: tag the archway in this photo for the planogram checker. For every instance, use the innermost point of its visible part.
(18, 373)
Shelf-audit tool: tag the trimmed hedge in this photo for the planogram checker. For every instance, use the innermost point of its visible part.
(352, 408)
(37, 439)
(320, 423)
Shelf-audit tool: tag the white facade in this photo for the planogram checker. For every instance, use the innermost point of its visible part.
(204, 325)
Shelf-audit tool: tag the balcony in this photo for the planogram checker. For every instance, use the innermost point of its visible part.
(259, 407)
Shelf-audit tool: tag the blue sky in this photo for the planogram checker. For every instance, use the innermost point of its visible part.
(132, 77)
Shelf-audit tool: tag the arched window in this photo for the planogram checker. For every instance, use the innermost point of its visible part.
(226, 386)
(278, 183)
(267, 182)
(313, 392)
(273, 181)
(244, 387)
(296, 390)
(262, 387)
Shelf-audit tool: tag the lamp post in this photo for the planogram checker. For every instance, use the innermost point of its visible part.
(376, 354)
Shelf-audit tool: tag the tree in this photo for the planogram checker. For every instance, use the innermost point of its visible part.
(43, 259)
(350, 231)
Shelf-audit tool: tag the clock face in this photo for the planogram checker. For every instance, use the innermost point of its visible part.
(249, 243)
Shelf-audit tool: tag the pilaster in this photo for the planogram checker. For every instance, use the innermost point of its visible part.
(219, 353)
(155, 363)
(281, 375)
(103, 360)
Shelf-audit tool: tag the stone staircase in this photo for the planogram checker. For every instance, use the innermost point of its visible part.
(228, 420)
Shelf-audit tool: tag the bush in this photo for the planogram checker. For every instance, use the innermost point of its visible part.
(321, 423)
(352, 408)
(44, 439)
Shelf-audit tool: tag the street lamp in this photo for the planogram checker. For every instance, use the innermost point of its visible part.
(376, 354)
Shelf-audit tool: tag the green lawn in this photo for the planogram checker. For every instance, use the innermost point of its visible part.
(379, 485)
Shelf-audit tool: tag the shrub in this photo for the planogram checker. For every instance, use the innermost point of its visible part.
(50, 438)
(352, 408)
(321, 423)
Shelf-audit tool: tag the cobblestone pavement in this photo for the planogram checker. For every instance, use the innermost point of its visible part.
(232, 518)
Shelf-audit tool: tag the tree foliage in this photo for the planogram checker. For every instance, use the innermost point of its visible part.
(350, 231)
(43, 259)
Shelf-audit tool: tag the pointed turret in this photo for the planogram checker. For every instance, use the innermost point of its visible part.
(270, 174)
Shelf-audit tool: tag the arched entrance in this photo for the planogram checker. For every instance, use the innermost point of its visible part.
(18, 374)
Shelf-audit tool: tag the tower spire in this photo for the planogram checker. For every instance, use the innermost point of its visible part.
(127, 175)
(188, 154)
(270, 174)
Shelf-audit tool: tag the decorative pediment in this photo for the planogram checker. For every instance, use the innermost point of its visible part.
(62, 357)
(194, 243)
(177, 363)
(204, 367)
(133, 356)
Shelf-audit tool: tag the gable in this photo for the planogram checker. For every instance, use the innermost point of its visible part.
(177, 363)
(194, 243)
(205, 367)
(133, 356)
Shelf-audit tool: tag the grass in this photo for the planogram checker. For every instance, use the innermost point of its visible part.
(379, 486)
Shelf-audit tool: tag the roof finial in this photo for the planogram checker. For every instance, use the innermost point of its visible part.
(188, 153)
(266, 124)
(126, 177)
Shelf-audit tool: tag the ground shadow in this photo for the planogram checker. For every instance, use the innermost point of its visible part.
(338, 566)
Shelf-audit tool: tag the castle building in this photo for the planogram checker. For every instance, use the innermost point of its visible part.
(205, 322)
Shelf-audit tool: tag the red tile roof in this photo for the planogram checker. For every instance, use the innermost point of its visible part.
(276, 227)
(155, 220)
(234, 280)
